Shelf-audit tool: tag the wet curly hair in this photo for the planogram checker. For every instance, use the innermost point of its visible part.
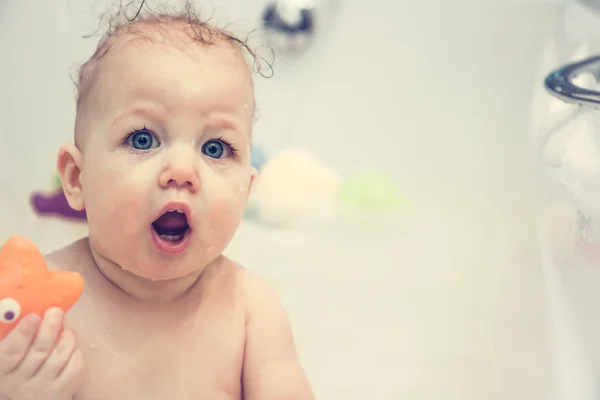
(138, 20)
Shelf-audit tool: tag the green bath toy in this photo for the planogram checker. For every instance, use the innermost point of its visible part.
(370, 191)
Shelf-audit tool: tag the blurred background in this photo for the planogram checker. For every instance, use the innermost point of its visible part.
(400, 197)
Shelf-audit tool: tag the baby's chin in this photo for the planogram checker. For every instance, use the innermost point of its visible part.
(138, 256)
(157, 269)
(161, 271)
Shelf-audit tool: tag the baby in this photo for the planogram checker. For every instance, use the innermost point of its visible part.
(161, 164)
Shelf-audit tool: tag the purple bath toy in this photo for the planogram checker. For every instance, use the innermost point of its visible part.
(56, 205)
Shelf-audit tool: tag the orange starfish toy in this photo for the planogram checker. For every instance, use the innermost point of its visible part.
(28, 287)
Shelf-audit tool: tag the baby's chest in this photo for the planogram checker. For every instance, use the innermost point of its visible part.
(199, 359)
(195, 376)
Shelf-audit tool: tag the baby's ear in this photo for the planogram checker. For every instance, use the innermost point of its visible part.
(69, 165)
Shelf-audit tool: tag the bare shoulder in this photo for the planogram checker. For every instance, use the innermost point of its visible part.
(260, 298)
(254, 286)
(251, 290)
(70, 257)
(272, 368)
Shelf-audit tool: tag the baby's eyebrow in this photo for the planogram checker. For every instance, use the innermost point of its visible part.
(234, 127)
(224, 121)
(152, 112)
(214, 120)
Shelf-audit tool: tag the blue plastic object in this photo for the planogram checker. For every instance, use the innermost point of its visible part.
(258, 157)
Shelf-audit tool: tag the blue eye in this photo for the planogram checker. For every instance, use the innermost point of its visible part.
(213, 149)
(142, 140)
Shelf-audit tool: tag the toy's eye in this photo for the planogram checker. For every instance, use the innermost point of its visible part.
(10, 310)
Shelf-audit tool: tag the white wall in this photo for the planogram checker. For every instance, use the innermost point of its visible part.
(441, 88)
(408, 75)
(436, 93)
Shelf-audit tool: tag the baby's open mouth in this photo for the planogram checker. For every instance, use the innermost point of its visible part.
(171, 226)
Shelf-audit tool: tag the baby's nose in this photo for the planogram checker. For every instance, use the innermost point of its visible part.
(180, 171)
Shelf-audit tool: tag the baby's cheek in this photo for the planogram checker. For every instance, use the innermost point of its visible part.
(227, 210)
(220, 223)
(111, 191)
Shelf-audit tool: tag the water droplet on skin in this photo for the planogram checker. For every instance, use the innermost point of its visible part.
(93, 346)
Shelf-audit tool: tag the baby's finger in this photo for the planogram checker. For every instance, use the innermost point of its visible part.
(57, 361)
(42, 345)
(13, 348)
(69, 378)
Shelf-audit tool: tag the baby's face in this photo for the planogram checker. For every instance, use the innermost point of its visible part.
(167, 130)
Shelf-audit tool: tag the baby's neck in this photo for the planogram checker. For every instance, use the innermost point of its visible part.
(140, 289)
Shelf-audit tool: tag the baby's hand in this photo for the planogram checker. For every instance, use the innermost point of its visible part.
(38, 360)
